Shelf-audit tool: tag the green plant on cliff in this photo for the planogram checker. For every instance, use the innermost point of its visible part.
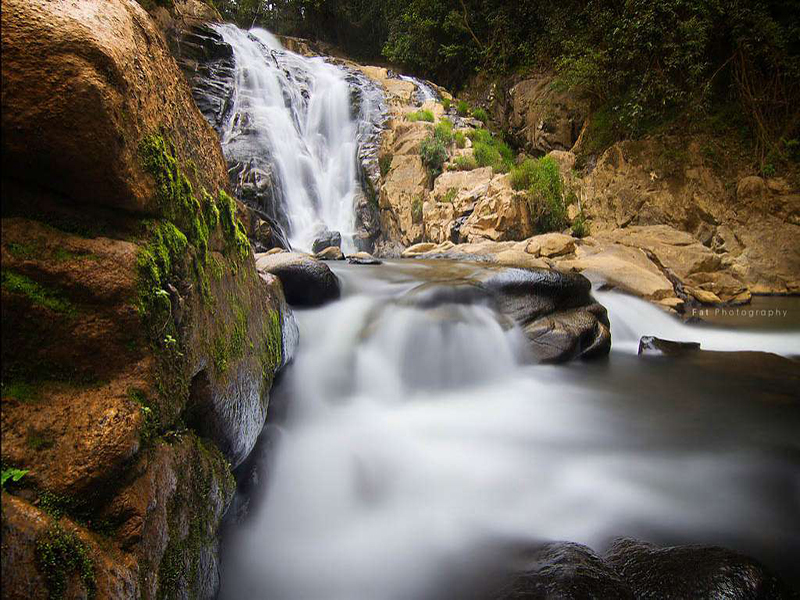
(416, 209)
(420, 115)
(545, 192)
(61, 554)
(481, 115)
(434, 155)
(443, 132)
(490, 150)
(11, 474)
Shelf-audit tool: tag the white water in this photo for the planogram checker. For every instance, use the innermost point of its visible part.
(418, 442)
(424, 91)
(297, 110)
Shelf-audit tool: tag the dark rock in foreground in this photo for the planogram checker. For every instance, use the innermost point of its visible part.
(632, 569)
(306, 281)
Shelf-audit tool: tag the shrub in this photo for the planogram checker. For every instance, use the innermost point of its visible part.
(450, 195)
(444, 132)
(462, 108)
(446, 104)
(385, 163)
(461, 139)
(580, 226)
(433, 153)
(416, 209)
(522, 174)
(491, 151)
(465, 163)
(481, 115)
(546, 195)
(420, 115)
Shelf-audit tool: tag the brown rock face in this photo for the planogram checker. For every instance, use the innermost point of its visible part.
(83, 84)
(139, 343)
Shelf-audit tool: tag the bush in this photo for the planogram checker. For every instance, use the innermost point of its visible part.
(522, 174)
(450, 195)
(462, 108)
(490, 151)
(461, 139)
(385, 163)
(580, 226)
(416, 209)
(444, 132)
(465, 163)
(434, 154)
(481, 115)
(420, 115)
(545, 194)
(446, 104)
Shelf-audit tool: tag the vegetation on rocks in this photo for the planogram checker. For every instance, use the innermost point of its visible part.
(491, 151)
(545, 192)
(59, 554)
(434, 155)
(420, 115)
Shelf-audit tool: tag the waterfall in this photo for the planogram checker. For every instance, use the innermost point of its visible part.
(294, 116)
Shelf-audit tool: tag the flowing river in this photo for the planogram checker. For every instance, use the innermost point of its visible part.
(410, 451)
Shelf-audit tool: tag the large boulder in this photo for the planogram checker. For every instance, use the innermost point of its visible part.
(83, 86)
(306, 281)
(499, 215)
(133, 319)
(555, 310)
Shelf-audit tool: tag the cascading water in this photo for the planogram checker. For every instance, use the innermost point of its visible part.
(419, 448)
(298, 113)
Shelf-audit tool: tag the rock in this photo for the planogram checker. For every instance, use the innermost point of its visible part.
(76, 117)
(550, 244)
(704, 296)
(542, 119)
(330, 253)
(564, 570)
(326, 239)
(691, 572)
(402, 197)
(502, 214)
(751, 188)
(418, 249)
(555, 310)
(653, 345)
(362, 258)
(306, 281)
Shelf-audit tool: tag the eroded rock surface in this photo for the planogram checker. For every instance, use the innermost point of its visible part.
(306, 280)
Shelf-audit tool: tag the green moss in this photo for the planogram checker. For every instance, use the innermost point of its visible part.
(21, 391)
(39, 440)
(40, 295)
(61, 554)
(230, 345)
(420, 115)
(272, 353)
(235, 235)
(151, 421)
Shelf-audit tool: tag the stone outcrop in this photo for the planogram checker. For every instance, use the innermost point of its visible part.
(139, 342)
(306, 280)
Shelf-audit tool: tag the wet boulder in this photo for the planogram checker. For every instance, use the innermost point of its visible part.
(555, 310)
(692, 572)
(363, 258)
(306, 281)
(564, 570)
(326, 239)
(330, 253)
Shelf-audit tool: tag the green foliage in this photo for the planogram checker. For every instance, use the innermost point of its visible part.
(11, 474)
(465, 163)
(462, 108)
(580, 226)
(420, 115)
(434, 155)
(59, 555)
(443, 132)
(21, 391)
(416, 209)
(460, 139)
(446, 104)
(491, 151)
(481, 115)
(546, 194)
(36, 293)
(450, 195)
(385, 164)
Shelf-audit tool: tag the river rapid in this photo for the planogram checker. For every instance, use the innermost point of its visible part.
(410, 452)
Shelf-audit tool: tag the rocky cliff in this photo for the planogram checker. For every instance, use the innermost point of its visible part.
(139, 342)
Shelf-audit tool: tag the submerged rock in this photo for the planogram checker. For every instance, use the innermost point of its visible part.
(306, 281)
(653, 345)
(692, 572)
